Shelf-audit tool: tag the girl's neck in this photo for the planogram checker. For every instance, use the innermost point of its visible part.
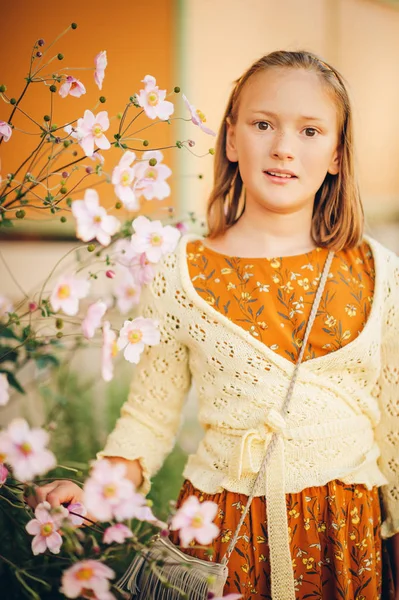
(278, 235)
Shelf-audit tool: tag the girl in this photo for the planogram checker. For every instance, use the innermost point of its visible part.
(233, 308)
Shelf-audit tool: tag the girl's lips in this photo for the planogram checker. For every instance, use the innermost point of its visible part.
(279, 180)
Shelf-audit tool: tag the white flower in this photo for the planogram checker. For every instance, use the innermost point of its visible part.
(90, 130)
(101, 63)
(123, 180)
(151, 180)
(73, 87)
(135, 334)
(45, 528)
(4, 389)
(92, 320)
(109, 351)
(93, 220)
(5, 307)
(25, 450)
(67, 293)
(197, 117)
(152, 99)
(127, 293)
(153, 239)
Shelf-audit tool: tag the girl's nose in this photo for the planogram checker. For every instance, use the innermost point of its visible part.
(282, 147)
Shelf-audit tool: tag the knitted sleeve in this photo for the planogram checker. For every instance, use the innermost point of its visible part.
(151, 416)
(387, 392)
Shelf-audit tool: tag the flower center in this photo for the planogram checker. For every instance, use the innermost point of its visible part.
(25, 448)
(135, 336)
(151, 174)
(64, 291)
(2, 458)
(156, 239)
(97, 130)
(130, 292)
(97, 219)
(109, 490)
(152, 98)
(46, 529)
(201, 116)
(114, 349)
(84, 574)
(197, 521)
(125, 179)
(74, 85)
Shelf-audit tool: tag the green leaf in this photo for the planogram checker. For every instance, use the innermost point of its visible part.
(6, 223)
(8, 332)
(13, 381)
(46, 360)
(7, 353)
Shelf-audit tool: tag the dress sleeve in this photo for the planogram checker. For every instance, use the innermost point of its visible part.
(150, 418)
(387, 392)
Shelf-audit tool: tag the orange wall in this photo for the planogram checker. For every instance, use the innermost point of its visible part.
(139, 37)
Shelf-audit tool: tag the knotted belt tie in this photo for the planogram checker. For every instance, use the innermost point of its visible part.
(247, 459)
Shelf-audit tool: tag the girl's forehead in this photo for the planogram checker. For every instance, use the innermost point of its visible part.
(288, 90)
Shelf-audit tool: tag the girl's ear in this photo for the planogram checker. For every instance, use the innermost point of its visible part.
(231, 151)
(333, 169)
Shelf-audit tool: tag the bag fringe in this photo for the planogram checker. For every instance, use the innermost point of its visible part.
(186, 576)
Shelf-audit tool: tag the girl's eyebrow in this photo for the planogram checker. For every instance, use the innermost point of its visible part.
(300, 118)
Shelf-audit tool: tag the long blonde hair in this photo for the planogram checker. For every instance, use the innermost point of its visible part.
(338, 218)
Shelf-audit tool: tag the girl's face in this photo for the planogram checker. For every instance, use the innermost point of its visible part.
(286, 121)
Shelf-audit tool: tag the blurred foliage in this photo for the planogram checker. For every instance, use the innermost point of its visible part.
(71, 405)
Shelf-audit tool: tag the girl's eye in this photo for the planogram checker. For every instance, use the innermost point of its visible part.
(312, 130)
(263, 123)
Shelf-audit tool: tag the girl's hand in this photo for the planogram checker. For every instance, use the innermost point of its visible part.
(56, 493)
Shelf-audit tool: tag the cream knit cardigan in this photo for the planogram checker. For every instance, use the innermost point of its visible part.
(343, 420)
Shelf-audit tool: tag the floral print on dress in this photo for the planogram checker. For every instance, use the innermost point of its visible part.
(271, 298)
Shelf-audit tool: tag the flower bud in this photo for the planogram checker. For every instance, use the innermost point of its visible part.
(63, 190)
(39, 54)
(146, 143)
(102, 99)
(75, 153)
(89, 170)
(110, 274)
(176, 90)
(53, 88)
(13, 101)
(91, 247)
(191, 143)
(74, 25)
(3, 88)
(63, 219)
(57, 140)
(118, 205)
(69, 202)
(117, 136)
(32, 306)
(200, 176)
(64, 174)
(59, 334)
(212, 151)
(67, 143)
(20, 214)
(59, 323)
(152, 162)
(47, 118)
(60, 56)
(41, 42)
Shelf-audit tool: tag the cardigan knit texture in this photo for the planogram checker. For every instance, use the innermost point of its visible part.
(343, 420)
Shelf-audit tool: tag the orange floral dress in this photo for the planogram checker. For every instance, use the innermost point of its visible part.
(335, 541)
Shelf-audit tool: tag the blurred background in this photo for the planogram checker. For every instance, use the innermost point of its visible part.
(202, 46)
